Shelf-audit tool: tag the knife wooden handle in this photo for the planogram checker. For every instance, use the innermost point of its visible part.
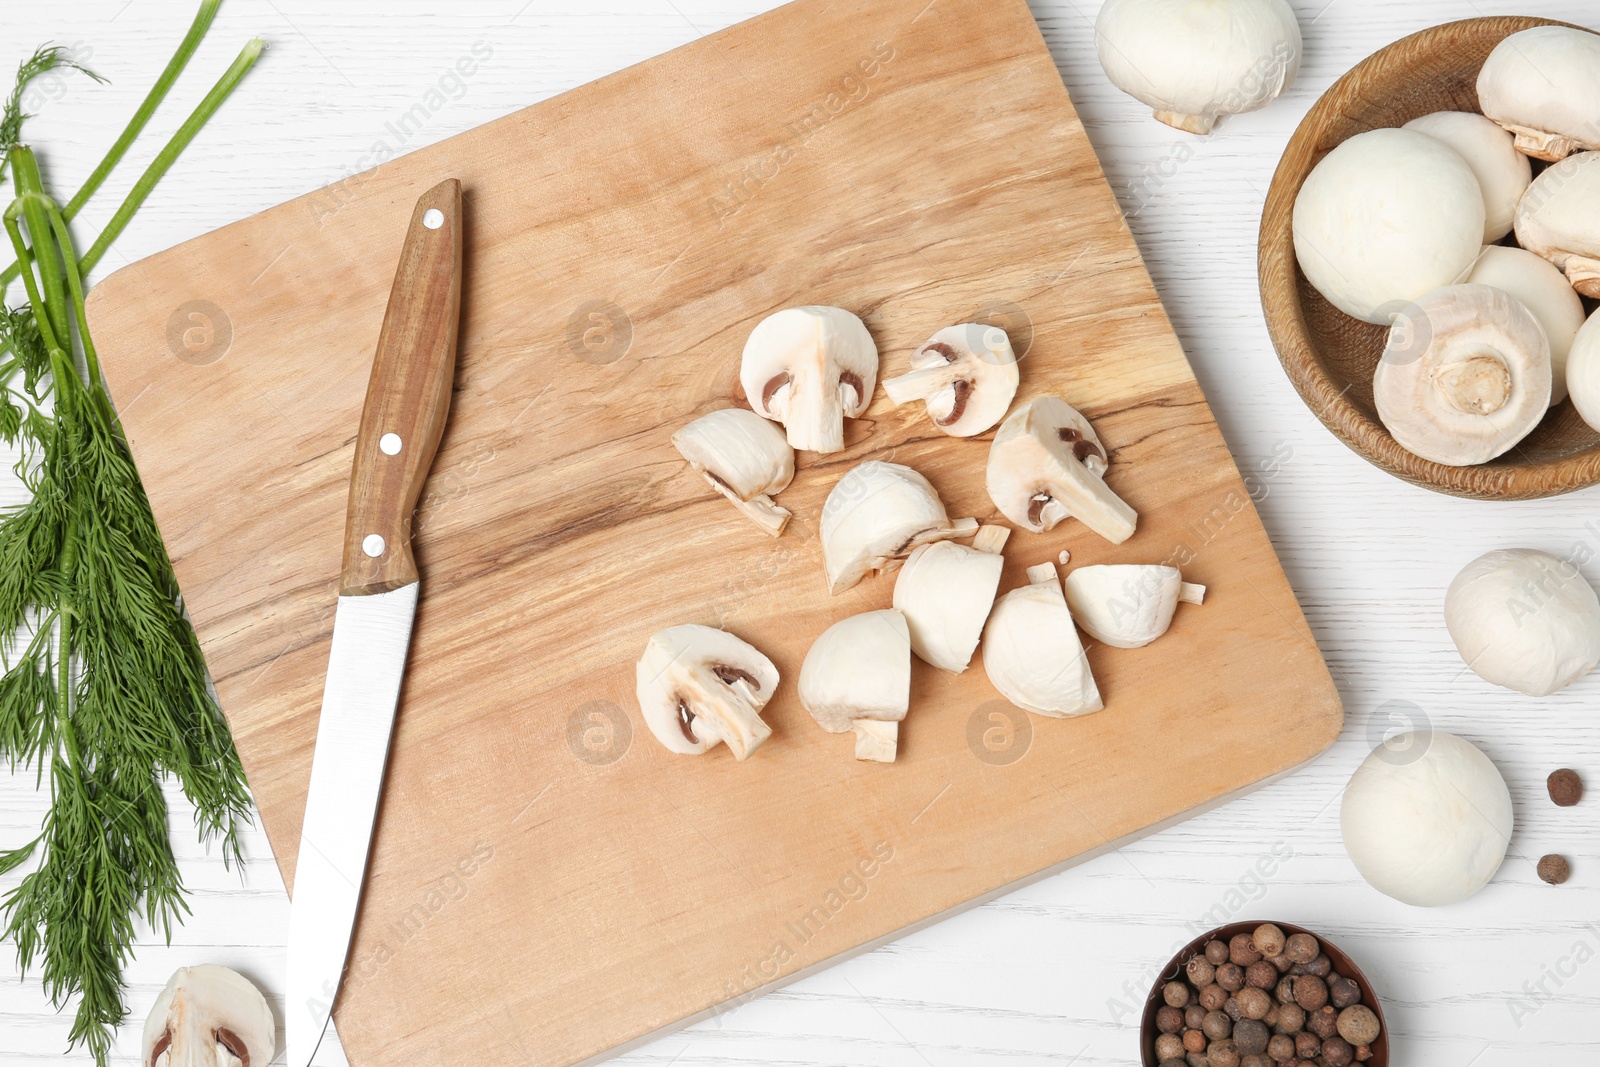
(408, 399)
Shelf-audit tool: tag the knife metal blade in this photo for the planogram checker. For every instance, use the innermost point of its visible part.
(407, 404)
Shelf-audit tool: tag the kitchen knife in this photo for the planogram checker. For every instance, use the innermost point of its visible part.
(408, 400)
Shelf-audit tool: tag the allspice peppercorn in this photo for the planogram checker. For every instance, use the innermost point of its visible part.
(1253, 1002)
(1213, 997)
(1261, 974)
(1194, 1041)
(1285, 990)
(1363, 1053)
(1232, 1009)
(1343, 992)
(1301, 948)
(1169, 1047)
(1169, 1020)
(1256, 1060)
(1242, 950)
(1554, 869)
(1281, 1048)
(1269, 940)
(1310, 992)
(1282, 963)
(1291, 1018)
(1217, 1026)
(1306, 1046)
(1222, 1054)
(1337, 1052)
(1200, 972)
(1324, 1022)
(1230, 976)
(1250, 1037)
(1216, 953)
(1321, 966)
(1193, 1016)
(1175, 994)
(1566, 788)
(1198, 1059)
(1358, 1025)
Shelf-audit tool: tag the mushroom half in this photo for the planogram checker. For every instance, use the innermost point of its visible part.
(945, 591)
(208, 1015)
(857, 678)
(966, 375)
(699, 686)
(1125, 605)
(810, 368)
(745, 458)
(1047, 464)
(1560, 219)
(1543, 85)
(1031, 650)
(877, 513)
(1465, 376)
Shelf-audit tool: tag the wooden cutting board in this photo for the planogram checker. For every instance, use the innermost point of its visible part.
(548, 884)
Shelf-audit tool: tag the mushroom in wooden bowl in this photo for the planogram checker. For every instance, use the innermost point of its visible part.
(1343, 306)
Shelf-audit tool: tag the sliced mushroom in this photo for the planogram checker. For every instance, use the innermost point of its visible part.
(1543, 85)
(1559, 219)
(1125, 605)
(810, 368)
(1466, 375)
(1503, 172)
(877, 513)
(945, 591)
(1545, 291)
(1047, 464)
(857, 678)
(1031, 650)
(967, 375)
(1583, 372)
(745, 458)
(209, 1015)
(698, 686)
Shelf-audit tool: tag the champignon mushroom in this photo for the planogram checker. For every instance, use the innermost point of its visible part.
(1031, 650)
(698, 686)
(1583, 372)
(1466, 375)
(966, 375)
(1524, 619)
(877, 513)
(745, 458)
(1544, 291)
(1503, 173)
(857, 678)
(1385, 217)
(1543, 85)
(1196, 60)
(1126, 605)
(209, 1015)
(945, 591)
(1560, 219)
(1047, 464)
(810, 368)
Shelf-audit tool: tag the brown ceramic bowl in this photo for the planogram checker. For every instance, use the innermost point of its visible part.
(1329, 356)
(1342, 964)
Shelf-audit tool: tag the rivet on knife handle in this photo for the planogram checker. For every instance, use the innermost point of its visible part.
(408, 399)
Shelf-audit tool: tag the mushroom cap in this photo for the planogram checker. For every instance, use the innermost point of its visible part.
(1583, 372)
(1032, 654)
(945, 591)
(196, 1007)
(1124, 605)
(810, 368)
(742, 450)
(1385, 217)
(1465, 377)
(1503, 173)
(1545, 80)
(1428, 821)
(1199, 59)
(972, 374)
(1560, 221)
(1544, 290)
(723, 681)
(860, 668)
(1047, 464)
(878, 512)
(1525, 620)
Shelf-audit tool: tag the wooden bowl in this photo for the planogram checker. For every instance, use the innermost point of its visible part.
(1329, 356)
(1342, 964)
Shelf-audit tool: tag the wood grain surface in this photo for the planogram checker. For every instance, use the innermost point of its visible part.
(621, 241)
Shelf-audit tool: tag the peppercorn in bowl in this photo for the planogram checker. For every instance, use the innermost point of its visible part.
(1262, 994)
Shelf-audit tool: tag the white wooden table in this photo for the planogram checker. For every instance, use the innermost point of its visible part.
(1055, 973)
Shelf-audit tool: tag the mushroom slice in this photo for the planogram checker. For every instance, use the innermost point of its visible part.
(1583, 372)
(209, 1015)
(698, 685)
(945, 591)
(966, 375)
(857, 678)
(1031, 650)
(1543, 85)
(1491, 153)
(745, 458)
(1047, 464)
(810, 368)
(1536, 282)
(1559, 220)
(1466, 375)
(1125, 605)
(879, 512)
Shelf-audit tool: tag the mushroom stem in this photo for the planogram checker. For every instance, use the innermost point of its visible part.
(1190, 593)
(1092, 502)
(729, 716)
(876, 740)
(1541, 144)
(1042, 574)
(815, 421)
(991, 539)
(921, 384)
(1584, 274)
(1477, 385)
(1200, 124)
(759, 509)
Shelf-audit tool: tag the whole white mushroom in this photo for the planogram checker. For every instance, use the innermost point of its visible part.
(1583, 372)
(1543, 85)
(1491, 152)
(1524, 619)
(1385, 217)
(1427, 819)
(1194, 61)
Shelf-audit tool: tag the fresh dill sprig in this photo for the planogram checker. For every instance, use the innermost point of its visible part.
(43, 61)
